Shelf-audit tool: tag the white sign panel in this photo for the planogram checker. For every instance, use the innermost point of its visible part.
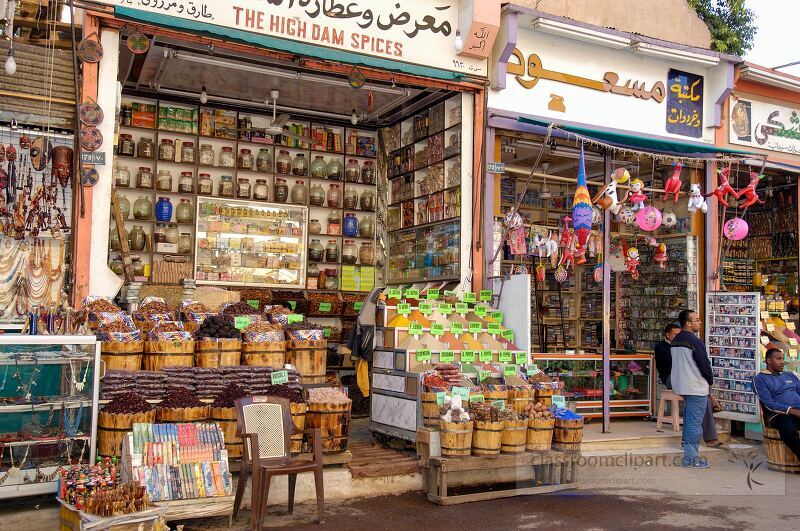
(573, 81)
(420, 32)
(765, 125)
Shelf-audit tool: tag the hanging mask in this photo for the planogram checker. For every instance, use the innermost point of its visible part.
(41, 153)
(24, 142)
(62, 164)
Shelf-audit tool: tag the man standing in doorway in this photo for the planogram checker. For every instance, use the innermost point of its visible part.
(691, 377)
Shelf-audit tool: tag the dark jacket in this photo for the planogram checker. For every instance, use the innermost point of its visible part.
(663, 360)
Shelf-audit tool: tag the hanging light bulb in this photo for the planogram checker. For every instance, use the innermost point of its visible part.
(203, 96)
(459, 42)
(11, 64)
(354, 118)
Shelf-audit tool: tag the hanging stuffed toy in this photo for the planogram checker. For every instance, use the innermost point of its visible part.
(627, 216)
(632, 262)
(566, 244)
(723, 187)
(582, 209)
(636, 195)
(660, 257)
(540, 272)
(673, 185)
(749, 192)
(696, 200)
(552, 249)
(607, 198)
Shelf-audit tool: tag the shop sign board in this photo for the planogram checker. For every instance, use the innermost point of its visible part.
(764, 125)
(496, 167)
(572, 81)
(420, 32)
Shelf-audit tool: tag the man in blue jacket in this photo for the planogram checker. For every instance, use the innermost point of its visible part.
(779, 393)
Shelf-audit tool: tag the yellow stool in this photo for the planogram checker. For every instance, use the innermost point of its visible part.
(675, 410)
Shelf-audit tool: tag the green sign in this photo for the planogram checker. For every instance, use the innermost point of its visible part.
(394, 293)
(279, 377)
(505, 356)
(432, 294)
(467, 356)
(423, 355)
(499, 404)
(559, 401)
(292, 305)
(254, 304)
(482, 375)
(440, 395)
(481, 311)
(326, 331)
(476, 398)
(437, 329)
(463, 392)
(357, 306)
(415, 329)
(493, 328)
(294, 318)
(325, 307)
(404, 308)
(425, 308)
(412, 294)
(508, 335)
(475, 328)
(449, 293)
(510, 370)
(456, 329)
(462, 308)
(445, 308)
(497, 316)
(520, 358)
(486, 295)
(447, 356)
(485, 356)
(470, 297)
(241, 322)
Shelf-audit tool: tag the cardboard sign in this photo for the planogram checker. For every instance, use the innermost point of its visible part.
(425, 308)
(412, 294)
(394, 293)
(462, 308)
(463, 392)
(279, 377)
(292, 305)
(447, 356)
(497, 316)
(294, 318)
(470, 297)
(449, 293)
(765, 315)
(508, 335)
(404, 308)
(785, 316)
(764, 340)
(437, 329)
(415, 329)
(481, 311)
(486, 295)
(325, 307)
(499, 404)
(770, 327)
(474, 328)
(792, 341)
(476, 398)
(423, 355)
(440, 396)
(790, 326)
(432, 294)
(467, 356)
(326, 332)
(559, 401)
(793, 352)
(521, 358)
(241, 322)
(482, 375)
(485, 356)
(357, 306)
(254, 304)
(505, 356)
(456, 329)
(445, 308)
(510, 370)
(493, 328)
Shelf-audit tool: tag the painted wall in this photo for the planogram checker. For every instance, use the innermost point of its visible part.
(669, 20)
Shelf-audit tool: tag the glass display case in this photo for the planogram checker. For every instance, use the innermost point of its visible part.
(246, 243)
(429, 253)
(581, 377)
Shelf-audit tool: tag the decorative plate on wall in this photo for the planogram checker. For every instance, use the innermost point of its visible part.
(90, 50)
(91, 138)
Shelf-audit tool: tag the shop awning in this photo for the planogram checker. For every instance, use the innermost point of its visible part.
(283, 45)
(644, 143)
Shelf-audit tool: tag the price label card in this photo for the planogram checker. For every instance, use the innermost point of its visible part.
(415, 329)
(456, 329)
(792, 341)
(412, 294)
(437, 329)
(449, 293)
(423, 355)
(497, 316)
(404, 308)
(533, 369)
(447, 356)
(790, 326)
(476, 398)
(326, 332)
(254, 304)
(432, 294)
(357, 306)
(764, 340)
(784, 315)
(770, 327)
(467, 356)
(440, 396)
(325, 307)
(292, 305)
(793, 352)
(510, 370)
(279, 377)
(493, 328)
(462, 308)
(463, 392)
(294, 318)
(765, 315)
(241, 322)
(485, 356)
(508, 335)
(559, 401)
(521, 358)
(425, 308)
(486, 295)
(499, 404)
(482, 375)
(481, 311)
(475, 328)
(445, 308)
(505, 356)
(394, 293)
(470, 297)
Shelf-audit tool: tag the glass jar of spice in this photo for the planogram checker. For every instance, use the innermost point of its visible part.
(226, 158)
(316, 196)
(319, 168)
(184, 213)
(264, 161)
(243, 189)
(314, 226)
(226, 186)
(368, 173)
(124, 206)
(332, 251)
(366, 254)
(300, 165)
(188, 153)
(281, 190)
(172, 233)
(334, 196)
(331, 279)
(246, 160)
(335, 170)
(160, 233)
(334, 224)
(299, 193)
(144, 178)
(127, 147)
(122, 177)
(185, 243)
(142, 208)
(145, 149)
(205, 185)
(283, 163)
(315, 251)
(186, 183)
(349, 252)
(261, 190)
(350, 198)
(352, 172)
(206, 155)
(164, 181)
(166, 150)
(137, 266)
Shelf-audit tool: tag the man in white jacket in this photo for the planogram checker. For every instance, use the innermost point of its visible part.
(691, 377)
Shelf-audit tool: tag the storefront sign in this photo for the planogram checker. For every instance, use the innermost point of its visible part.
(685, 104)
(98, 158)
(496, 167)
(765, 125)
(420, 32)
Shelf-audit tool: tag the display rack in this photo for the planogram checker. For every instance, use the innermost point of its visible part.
(57, 424)
(732, 338)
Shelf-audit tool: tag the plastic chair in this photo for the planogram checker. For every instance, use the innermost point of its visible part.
(265, 425)
(675, 410)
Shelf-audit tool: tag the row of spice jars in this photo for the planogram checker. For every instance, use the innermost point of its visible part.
(350, 253)
(365, 226)
(322, 278)
(145, 181)
(164, 233)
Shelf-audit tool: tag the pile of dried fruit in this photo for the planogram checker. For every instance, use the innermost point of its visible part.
(448, 372)
(102, 306)
(240, 308)
(178, 398)
(537, 411)
(486, 412)
(284, 391)
(229, 396)
(216, 327)
(128, 403)
(327, 395)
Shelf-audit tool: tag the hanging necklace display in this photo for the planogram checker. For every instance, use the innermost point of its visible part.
(72, 421)
(14, 470)
(27, 392)
(90, 50)
(76, 385)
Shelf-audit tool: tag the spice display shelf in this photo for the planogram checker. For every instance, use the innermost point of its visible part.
(424, 166)
(426, 137)
(423, 196)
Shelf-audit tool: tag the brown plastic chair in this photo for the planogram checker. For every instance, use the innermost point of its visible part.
(265, 425)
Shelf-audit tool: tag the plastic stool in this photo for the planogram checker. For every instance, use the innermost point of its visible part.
(675, 410)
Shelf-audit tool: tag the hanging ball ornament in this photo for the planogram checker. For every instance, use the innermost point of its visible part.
(598, 272)
(669, 220)
(648, 218)
(736, 229)
(597, 216)
(561, 274)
